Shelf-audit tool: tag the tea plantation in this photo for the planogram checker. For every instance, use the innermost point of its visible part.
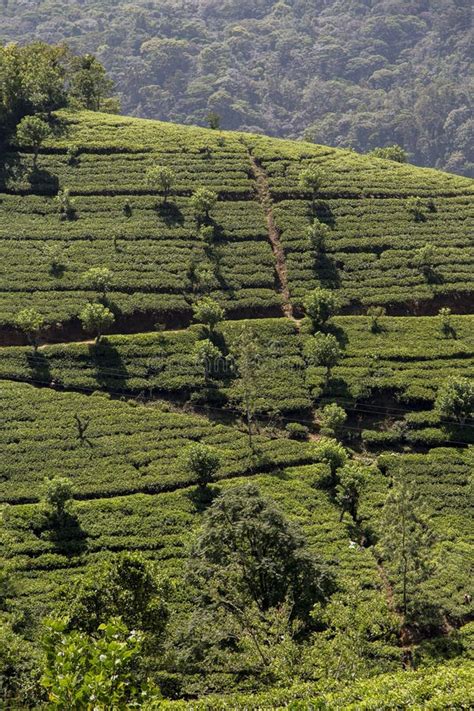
(114, 419)
(158, 260)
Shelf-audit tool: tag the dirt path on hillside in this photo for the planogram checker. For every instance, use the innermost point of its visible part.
(265, 199)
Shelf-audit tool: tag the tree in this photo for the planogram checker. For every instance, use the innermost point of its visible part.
(394, 152)
(163, 177)
(319, 305)
(32, 132)
(208, 312)
(332, 418)
(202, 202)
(32, 80)
(247, 555)
(214, 120)
(424, 260)
(31, 323)
(317, 233)
(446, 326)
(90, 88)
(201, 462)
(415, 206)
(96, 318)
(375, 313)
(332, 453)
(244, 391)
(207, 234)
(405, 544)
(324, 350)
(455, 399)
(67, 208)
(358, 635)
(96, 671)
(98, 279)
(208, 356)
(351, 481)
(128, 586)
(203, 276)
(311, 179)
(57, 494)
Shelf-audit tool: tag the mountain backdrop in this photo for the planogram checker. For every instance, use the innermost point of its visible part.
(357, 74)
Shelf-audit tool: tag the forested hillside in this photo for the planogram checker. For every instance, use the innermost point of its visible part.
(349, 74)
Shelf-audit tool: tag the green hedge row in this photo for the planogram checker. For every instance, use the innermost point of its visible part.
(125, 448)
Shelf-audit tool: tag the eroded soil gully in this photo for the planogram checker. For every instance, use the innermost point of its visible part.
(139, 322)
(265, 199)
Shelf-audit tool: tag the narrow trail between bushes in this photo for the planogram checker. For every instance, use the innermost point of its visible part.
(265, 199)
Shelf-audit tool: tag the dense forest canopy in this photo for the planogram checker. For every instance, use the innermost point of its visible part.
(355, 74)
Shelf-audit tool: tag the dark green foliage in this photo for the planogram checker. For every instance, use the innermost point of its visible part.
(208, 312)
(126, 586)
(405, 545)
(31, 132)
(331, 418)
(247, 554)
(395, 153)
(323, 349)
(200, 462)
(202, 202)
(18, 669)
(455, 399)
(213, 120)
(447, 328)
(351, 481)
(57, 494)
(319, 306)
(98, 279)
(332, 453)
(96, 318)
(31, 81)
(89, 87)
(182, 62)
(37, 79)
(162, 178)
(31, 323)
(100, 670)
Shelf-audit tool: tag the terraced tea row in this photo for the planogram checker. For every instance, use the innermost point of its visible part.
(129, 448)
(346, 173)
(108, 447)
(157, 259)
(381, 377)
(371, 253)
(156, 252)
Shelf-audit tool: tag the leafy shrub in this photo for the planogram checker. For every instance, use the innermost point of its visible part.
(297, 431)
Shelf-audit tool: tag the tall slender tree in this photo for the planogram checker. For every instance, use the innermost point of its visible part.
(405, 544)
(245, 389)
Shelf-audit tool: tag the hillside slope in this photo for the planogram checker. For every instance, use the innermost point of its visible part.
(115, 416)
(160, 264)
